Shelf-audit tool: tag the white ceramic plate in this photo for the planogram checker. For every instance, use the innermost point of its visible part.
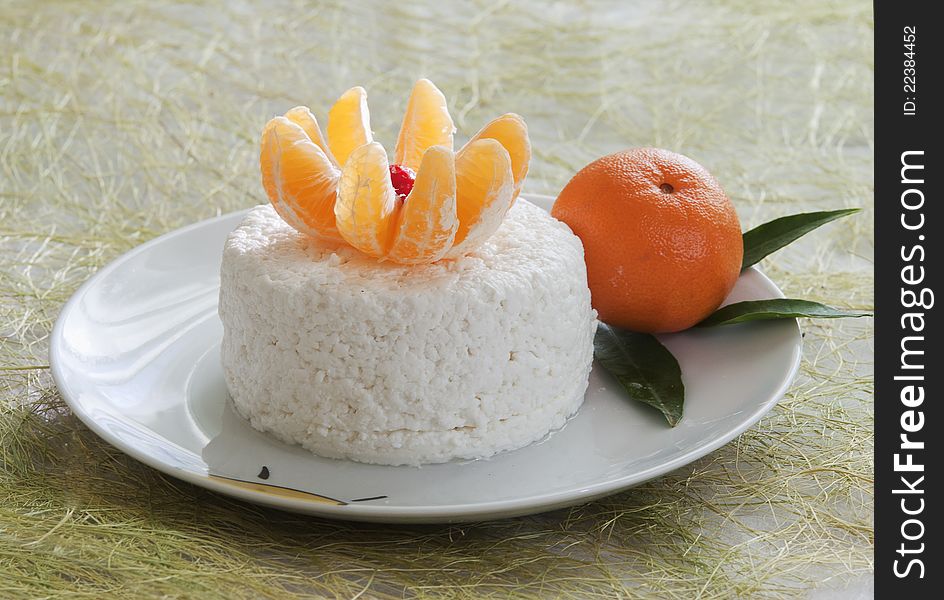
(135, 353)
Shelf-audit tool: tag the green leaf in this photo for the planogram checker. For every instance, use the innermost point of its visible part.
(644, 367)
(776, 308)
(768, 238)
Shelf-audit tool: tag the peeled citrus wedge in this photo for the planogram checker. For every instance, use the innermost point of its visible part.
(365, 210)
(342, 187)
(512, 132)
(349, 124)
(301, 116)
(426, 123)
(299, 178)
(427, 221)
(485, 192)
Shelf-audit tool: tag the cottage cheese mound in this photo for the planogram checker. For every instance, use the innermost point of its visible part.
(391, 364)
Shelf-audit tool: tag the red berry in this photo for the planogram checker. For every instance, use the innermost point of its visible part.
(402, 178)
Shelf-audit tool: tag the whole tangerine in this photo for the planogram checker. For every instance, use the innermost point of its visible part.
(662, 241)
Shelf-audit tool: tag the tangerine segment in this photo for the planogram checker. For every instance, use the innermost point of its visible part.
(427, 224)
(366, 206)
(298, 177)
(426, 123)
(349, 124)
(511, 130)
(301, 116)
(485, 192)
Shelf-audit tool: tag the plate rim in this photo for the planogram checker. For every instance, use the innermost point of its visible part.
(383, 513)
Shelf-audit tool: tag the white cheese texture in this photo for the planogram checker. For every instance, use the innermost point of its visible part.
(383, 363)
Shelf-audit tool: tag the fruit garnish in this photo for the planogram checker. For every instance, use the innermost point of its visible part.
(349, 124)
(432, 203)
(511, 131)
(301, 116)
(486, 192)
(427, 223)
(402, 179)
(300, 179)
(662, 241)
(426, 123)
(366, 206)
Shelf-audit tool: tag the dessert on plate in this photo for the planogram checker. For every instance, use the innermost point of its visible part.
(405, 313)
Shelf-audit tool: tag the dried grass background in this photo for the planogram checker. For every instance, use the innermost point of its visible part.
(121, 121)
